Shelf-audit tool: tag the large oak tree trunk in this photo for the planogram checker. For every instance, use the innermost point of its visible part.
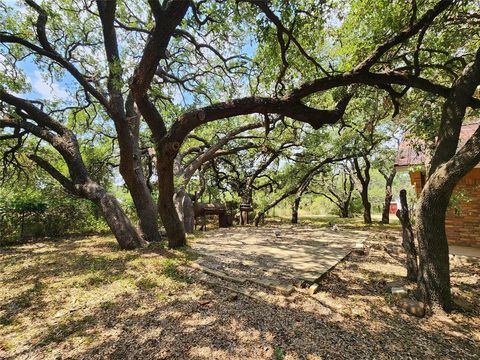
(127, 123)
(408, 242)
(132, 172)
(144, 204)
(118, 222)
(171, 222)
(447, 167)
(367, 207)
(434, 267)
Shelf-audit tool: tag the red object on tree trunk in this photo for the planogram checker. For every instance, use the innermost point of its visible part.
(393, 208)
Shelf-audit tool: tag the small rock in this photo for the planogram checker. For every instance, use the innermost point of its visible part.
(313, 289)
(413, 307)
(359, 249)
(399, 292)
(204, 302)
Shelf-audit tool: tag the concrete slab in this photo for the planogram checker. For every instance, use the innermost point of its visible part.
(464, 251)
(284, 252)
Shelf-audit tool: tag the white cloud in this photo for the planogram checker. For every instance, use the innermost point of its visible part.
(46, 89)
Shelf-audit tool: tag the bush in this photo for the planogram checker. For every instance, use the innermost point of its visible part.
(53, 213)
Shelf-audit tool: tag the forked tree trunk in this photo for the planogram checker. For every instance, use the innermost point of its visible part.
(408, 242)
(127, 124)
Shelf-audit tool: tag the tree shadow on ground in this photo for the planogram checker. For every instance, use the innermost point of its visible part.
(350, 317)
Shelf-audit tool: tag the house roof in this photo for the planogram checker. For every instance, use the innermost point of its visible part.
(411, 151)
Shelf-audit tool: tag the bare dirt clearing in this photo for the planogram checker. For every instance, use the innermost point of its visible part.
(283, 252)
(84, 299)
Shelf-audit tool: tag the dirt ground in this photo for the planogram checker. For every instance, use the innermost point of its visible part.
(277, 251)
(84, 299)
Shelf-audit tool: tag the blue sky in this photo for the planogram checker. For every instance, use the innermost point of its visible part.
(42, 88)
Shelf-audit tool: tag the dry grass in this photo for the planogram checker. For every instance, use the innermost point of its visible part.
(85, 299)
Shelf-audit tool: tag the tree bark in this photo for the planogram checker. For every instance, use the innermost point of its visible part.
(446, 169)
(82, 185)
(127, 122)
(344, 213)
(367, 209)
(364, 178)
(185, 210)
(131, 170)
(408, 242)
(126, 234)
(171, 222)
(434, 267)
(388, 197)
(295, 206)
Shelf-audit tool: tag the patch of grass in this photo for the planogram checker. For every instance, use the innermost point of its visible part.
(29, 297)
(170, 270)
(279, 354)
(69, 327)
(161, 297)
(96, 279)
(157, 245)
(6, 320)
(353, 222)
(106, 305)
(6, 345)
(146, 283)
(84, 281)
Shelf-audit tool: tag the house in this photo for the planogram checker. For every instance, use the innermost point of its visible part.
(462, 222)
